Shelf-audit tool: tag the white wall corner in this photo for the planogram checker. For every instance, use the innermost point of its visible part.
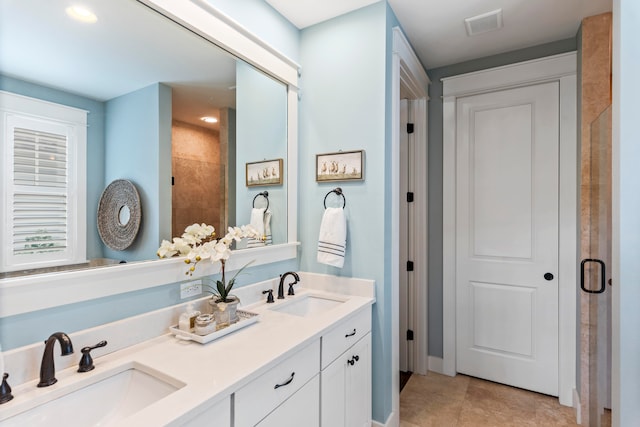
(577, 407)
(392, 421)
(436, 364)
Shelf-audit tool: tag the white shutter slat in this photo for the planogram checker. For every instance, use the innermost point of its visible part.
(39, 158)
(39, 219)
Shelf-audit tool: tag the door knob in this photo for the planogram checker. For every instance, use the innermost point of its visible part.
(548, 276)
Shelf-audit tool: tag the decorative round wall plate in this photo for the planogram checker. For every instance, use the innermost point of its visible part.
(119, 214)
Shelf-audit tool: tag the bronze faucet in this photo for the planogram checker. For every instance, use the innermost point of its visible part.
(47, 368)
(281, 285)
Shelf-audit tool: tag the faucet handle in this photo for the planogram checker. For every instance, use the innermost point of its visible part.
(270, 296)
(291, 288)
(5, 390)
(86, 361)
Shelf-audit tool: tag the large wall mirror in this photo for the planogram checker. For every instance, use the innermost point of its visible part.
(167, 110)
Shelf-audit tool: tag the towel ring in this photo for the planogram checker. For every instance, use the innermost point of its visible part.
(264, 194)
(339, 192)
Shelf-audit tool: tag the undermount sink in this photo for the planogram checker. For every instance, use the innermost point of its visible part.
(106, 401)
(308, 305)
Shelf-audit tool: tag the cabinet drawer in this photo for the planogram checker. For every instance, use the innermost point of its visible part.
(344, 335)
(262, 395)
(300, 410)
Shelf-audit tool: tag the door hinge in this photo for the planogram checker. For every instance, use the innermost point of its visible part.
(409, 265)
(409, 196)
(409, 335)
(173, 180)
(409, 127)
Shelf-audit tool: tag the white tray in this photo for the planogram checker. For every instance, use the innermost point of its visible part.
(246, 318)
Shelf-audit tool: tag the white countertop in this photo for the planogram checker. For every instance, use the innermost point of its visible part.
(211, 371)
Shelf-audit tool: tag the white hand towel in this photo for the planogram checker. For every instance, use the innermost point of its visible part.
(332, 241)
(257, 222)
(267, 228)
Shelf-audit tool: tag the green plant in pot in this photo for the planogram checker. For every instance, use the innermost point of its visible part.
(224, 304)
(198, 243)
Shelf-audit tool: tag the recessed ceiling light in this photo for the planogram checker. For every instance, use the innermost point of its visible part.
(82, 14)
(209, 119)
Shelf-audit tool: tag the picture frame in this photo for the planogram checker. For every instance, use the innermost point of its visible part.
(340, 166)
(264, 172)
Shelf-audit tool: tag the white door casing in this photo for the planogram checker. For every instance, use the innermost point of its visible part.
(507, 236)
(408, 73)
(405, 318)
(560, 68)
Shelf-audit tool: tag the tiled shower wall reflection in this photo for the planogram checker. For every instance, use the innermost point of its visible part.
(199, 177)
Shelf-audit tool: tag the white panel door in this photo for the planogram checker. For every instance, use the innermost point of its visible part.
(507, 236)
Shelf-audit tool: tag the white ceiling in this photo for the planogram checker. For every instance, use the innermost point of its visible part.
(436, 28)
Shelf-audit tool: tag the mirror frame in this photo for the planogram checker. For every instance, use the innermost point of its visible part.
(31, 293)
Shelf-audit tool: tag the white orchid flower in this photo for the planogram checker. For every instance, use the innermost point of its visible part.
(181, 246)
(249, 231)
(191, 245)
(222, 252)
(166, 249)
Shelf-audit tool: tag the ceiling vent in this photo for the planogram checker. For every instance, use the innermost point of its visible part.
(484, 23)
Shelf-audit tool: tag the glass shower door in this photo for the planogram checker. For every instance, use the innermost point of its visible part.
(596, 272)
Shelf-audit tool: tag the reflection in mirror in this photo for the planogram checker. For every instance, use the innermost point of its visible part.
(124, 215)
(168, 110)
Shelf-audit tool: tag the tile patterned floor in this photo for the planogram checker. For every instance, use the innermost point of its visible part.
(437, 400)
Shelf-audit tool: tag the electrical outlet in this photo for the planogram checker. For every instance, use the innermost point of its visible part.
(190, 289)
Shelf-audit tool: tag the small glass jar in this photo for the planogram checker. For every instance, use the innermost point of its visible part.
(205, 324)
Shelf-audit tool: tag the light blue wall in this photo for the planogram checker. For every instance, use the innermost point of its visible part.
(95, 146)
(343, 107)
(435, 167)
(138, 148)
(261, 134)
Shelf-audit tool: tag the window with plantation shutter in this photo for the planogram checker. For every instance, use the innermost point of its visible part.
(43, 218)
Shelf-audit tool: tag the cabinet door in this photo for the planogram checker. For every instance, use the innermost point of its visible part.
(301, 409)
(346, 388)
(218, 415)
(358, 384)
(333, 391)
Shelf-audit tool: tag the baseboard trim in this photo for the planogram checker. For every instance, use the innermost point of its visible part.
(436, 364)
(577, 407)
(392, 421)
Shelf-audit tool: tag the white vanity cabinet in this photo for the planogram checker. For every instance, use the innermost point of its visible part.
(345, 381)
(280, 387)
(218, 414)
(320, 385)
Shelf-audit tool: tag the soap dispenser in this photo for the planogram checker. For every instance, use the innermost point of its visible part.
(186, 322)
